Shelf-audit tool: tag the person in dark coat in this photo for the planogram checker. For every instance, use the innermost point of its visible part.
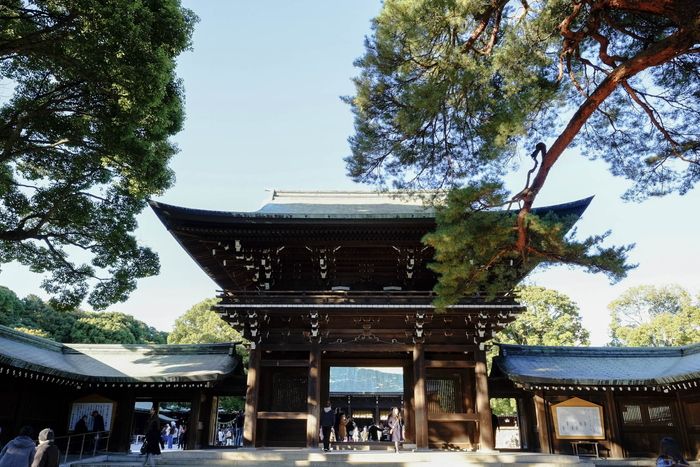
(98, 422)
(81, 426)
(152, 438)
(47, 454)
(327, 422)
(374, 432)
(20, 451)
(395, 427)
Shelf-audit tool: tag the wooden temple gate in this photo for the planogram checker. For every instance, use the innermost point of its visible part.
(314, 280)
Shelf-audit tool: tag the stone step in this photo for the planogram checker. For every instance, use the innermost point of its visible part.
(312, 458)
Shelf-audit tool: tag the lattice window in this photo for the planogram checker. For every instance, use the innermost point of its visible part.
(443, 395)
(642, 413)
(289, 393)
(660, 415)
(631, 414)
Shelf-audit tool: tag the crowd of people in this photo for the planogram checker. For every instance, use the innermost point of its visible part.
(231, 434)
(337, 426)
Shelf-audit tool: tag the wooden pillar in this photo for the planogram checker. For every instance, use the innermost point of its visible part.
(193, 434)
(212, 427)
(313, 399)
(120, 438)
(251, 398)
(542, 428)
(208, 410)
(483, 408)
(683, 426)
(408, 403)
(419, 408)
(613, 426)
(523, 423)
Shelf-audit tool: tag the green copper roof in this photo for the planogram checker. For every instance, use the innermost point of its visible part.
(603, 366)
(117, 362)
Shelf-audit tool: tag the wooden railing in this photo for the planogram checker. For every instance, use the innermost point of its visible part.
(93, 440)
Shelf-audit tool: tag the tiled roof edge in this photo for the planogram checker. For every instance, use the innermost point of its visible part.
(36, 341)
(621, 352)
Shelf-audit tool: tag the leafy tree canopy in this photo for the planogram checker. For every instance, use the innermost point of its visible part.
(451, 91)
(201, 325)
(551, 318)
(655, 316)
(84, 137)
(34, 316)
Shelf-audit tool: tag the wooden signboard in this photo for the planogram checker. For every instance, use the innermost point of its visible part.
(86, 405)
(578, 419)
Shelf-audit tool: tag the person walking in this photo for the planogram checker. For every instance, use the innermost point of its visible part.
(152, 438)
(47, 454)
(182, 442)
(395, 427)
(169, 436)
(327, 421)
(20, 451)
(239, 423)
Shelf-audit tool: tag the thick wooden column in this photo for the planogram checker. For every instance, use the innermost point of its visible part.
(120, 438)
(194, 432)
(251, 398)
(542, 428)
(524, 423)
(420, 413)
(313, 399)
(683, 426)
(483, 408)
(613, 426)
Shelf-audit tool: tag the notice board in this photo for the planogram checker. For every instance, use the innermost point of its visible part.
(86, 405)
(576, 418)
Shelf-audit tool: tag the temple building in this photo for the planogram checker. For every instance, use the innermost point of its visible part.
(323, 280)
(629, 397)
(334, 294)
(48, 384)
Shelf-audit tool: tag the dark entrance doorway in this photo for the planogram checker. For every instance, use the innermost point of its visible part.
(363, 398)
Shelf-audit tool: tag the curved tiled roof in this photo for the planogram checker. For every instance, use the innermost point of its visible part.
(600, 366)
(117, 363)
(336, 205)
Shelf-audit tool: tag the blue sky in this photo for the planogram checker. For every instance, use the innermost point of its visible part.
(263, 111)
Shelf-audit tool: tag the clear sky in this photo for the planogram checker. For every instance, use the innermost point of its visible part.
(263, 111)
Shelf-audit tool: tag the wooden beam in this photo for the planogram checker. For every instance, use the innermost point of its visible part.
(454, 417)
(483, 408)
(542, 425)
(282, 415)
(420, 413)
(449, 364)
(284, 363)
(313, 400)
(251, 398)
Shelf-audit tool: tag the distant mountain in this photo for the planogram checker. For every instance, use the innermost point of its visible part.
(364, 380)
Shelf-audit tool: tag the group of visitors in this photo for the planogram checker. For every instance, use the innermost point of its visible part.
(173, 434)
(22, 451)
(231, 435)
(336, 426)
